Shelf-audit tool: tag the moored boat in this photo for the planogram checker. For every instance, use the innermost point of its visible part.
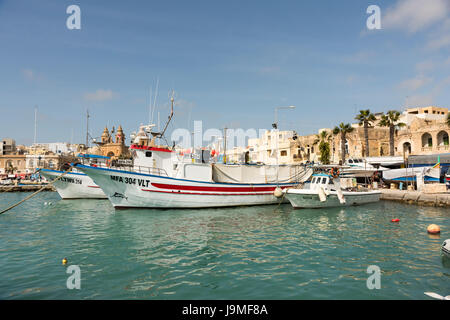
(429, 174)
(324, 191)
(76, 184)
(168, 183)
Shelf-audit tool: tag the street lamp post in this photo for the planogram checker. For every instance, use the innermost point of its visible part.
(275, 126)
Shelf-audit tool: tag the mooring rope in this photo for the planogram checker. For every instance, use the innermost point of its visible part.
(35, 193)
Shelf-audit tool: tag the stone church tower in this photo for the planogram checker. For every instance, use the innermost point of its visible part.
(109, 147)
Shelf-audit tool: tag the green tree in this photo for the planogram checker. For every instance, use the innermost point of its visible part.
(448, 119)
(366, 118)
(323, 139)
(391, 120)
(343, 130)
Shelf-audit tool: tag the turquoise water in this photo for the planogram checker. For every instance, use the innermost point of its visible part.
(264, 252)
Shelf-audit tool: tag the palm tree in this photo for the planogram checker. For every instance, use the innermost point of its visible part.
(343, 130)
(324, 146)
(366, 118)
(391, 120)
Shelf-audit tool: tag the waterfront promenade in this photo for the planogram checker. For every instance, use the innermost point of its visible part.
(417, 197)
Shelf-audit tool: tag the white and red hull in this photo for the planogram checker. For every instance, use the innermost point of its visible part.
(127, 189)
(74, 185)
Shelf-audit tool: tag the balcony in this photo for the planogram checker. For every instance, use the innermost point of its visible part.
(443, 148)
(427, 149)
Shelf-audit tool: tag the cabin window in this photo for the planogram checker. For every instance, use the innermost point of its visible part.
(324, 180)
(350, 161)
(314, 180)
(148, 154)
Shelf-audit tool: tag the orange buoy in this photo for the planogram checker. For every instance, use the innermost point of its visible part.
(433, 229)
(395, 220)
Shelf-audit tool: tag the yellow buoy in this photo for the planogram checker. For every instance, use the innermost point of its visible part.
(64, 261)
(433, 229)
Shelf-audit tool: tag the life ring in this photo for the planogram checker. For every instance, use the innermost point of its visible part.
(334, 172)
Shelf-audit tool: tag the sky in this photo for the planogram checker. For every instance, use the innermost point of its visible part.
(231, 63)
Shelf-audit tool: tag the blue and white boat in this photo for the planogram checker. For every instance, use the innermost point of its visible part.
(76, 184)
(430, 174)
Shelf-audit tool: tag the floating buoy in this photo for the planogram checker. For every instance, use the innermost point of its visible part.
(395, 220)
(64, 261)
(446, 248)
(433, 229)
(278, 192)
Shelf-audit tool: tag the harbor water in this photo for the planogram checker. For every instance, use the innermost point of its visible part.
(260, 252)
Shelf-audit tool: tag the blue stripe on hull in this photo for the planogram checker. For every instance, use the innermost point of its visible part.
(197, 181)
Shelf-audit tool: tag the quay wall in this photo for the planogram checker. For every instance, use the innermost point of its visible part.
(417, 197)
(26, 188)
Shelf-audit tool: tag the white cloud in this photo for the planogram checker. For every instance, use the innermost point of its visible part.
(31, 75)
(414, 15)
(100, 95)
(439, 42)
(419, 101)
(425, 66)
(415, 83)
(28, 73)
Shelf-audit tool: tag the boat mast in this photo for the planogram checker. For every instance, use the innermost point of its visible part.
(35, 124)
(87, 128)
(225, 145)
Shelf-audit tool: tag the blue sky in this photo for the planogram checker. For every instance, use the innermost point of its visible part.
(230, 62)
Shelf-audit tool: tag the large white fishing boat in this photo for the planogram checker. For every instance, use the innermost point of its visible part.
(76, 184)
(159, 179)
(325, 191)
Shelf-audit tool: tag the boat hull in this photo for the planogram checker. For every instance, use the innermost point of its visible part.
(74, 185)
(301, 200)
(127, 189)
(410, 174)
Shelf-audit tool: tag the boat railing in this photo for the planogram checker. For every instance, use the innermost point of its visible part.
(143, 169)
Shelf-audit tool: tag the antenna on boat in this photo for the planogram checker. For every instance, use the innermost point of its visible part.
(150, 106)
(87, 128)
(154, 99)
(35, 124)
(172, 96)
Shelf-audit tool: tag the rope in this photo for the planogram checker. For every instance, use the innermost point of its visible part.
(33, 194)
(281, 201)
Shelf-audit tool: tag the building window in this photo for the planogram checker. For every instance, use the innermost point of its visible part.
(283, 153)
(148, 154)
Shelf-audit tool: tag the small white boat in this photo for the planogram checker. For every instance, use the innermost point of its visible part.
(429, 174)
(76, 184)
(325, 191)
(360, 168)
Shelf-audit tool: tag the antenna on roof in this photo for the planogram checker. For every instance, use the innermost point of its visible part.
(154, 100)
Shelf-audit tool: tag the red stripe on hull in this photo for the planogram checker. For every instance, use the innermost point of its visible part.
(218, 189)
(210, 194)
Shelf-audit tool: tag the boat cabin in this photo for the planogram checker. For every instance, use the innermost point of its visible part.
(320, 180)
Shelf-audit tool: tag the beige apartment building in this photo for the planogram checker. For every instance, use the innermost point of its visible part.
(426, 132)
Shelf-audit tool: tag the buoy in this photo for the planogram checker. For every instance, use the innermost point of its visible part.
(395, 220)
(278, 192)
(64, 261)
(433, 229)
(446, 248)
